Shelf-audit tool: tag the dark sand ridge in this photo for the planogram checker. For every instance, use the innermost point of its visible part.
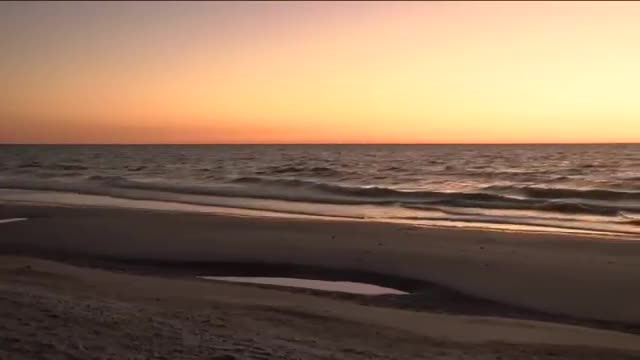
(584, 277)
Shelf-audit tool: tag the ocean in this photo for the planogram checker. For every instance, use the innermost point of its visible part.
(557, 188)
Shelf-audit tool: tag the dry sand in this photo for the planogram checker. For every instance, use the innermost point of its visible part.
(69, 311)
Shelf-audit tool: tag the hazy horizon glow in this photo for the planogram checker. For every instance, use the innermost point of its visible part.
(320, 72)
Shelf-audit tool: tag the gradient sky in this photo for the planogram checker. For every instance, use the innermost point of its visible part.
(298, 72)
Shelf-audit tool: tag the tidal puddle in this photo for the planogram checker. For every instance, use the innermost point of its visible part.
(3, 221)
(338, 286)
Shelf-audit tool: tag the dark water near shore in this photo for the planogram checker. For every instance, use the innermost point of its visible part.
(593, 187)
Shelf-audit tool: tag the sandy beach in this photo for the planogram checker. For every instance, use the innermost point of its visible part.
(124, 281)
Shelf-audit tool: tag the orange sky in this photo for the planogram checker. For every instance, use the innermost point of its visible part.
(297, 72)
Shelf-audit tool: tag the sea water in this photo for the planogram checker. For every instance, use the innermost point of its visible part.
(576, 188)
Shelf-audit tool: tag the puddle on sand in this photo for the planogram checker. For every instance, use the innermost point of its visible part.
(338, 286)
(4, 221)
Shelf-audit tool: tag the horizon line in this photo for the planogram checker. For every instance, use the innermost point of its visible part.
(323, 143)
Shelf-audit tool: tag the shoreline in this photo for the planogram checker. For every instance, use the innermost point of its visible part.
(256, 212)
(265, 207)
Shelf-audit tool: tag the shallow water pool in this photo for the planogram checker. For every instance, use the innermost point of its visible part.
(338, 286)
(3, 221)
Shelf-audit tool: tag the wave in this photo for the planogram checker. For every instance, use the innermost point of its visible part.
(633, 222)
(64, 167)
(30, 165)
(300, 170)
(321, 192)
(136, 168)
(68, 167)
(565, 193)
(370, 193)
(557, 207)
(573, 208)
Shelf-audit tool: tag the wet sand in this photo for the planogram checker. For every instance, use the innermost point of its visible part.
(492, 276)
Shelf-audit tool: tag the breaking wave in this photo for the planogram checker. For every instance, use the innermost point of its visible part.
(563, 193)
(570, 201)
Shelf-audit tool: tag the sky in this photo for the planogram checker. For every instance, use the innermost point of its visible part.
(319, 72)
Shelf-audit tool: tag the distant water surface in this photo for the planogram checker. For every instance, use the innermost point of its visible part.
(592, 188)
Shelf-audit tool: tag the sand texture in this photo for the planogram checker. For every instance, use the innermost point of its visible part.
(145, 303)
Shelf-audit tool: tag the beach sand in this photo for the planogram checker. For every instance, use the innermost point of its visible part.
(121, 283)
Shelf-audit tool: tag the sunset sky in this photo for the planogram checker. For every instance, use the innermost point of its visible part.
(320, 72)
